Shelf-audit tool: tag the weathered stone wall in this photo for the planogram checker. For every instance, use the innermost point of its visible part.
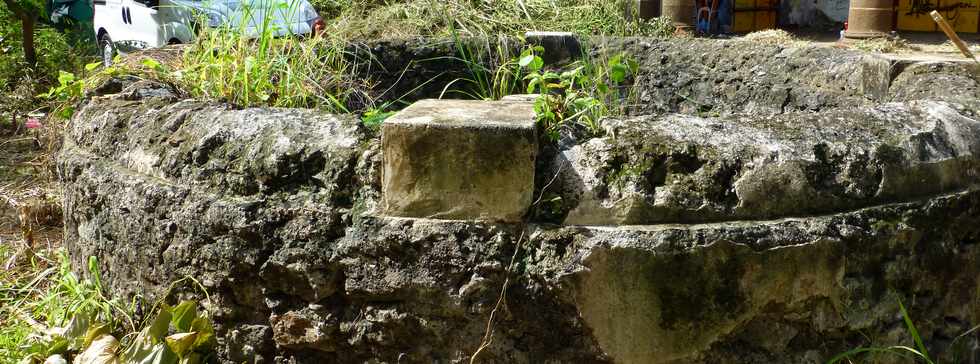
(782, 238)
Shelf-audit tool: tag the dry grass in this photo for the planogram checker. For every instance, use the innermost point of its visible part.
(772, 37)
(372, 19)
(30, 200)
(885, 45)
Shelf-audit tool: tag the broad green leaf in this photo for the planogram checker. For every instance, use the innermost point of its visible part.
(536, 63)
(102, 351)
(183, 315)
(59, 345)
(617, 73)
(526, 60)
(181, 344)
(94, 333)
(158, 354)
(205, 333)
(78, 328)
(161, 324)
(65, 78)
(531, 86)
(616, 60)
(92, 66)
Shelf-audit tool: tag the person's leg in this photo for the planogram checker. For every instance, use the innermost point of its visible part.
(725, 16)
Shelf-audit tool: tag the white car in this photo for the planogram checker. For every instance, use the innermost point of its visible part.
(127, 25)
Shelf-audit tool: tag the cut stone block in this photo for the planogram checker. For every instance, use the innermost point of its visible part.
(459, 160)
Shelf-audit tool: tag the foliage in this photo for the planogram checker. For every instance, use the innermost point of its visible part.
(583, 95)
(488, 78)
(918, 354)
(67, 307)
(54, 312)
(268, 70)
(68, 90)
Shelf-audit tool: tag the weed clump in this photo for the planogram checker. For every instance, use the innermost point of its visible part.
(47, 311)
(226, 65)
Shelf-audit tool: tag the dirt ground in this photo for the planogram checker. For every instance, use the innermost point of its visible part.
(909, 45)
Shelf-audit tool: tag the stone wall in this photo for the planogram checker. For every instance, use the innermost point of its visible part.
(781, 234)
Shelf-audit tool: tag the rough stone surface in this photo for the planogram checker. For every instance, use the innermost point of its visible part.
(681, 168)
(275, 213)
(709, 78)
(455, 159)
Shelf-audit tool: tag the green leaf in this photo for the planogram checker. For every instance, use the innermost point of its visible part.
(617, 73)
(93, 269)
(92, 66)
(633, 65)
(915, 333)
(161, 324)
(205, 333)
(65, 78)
(536, 63)
(182, 343)
(615, 60)
(183, 315)
(158, 354)
(94, 333)
(58, 346)
(531, 86)
(526, 60)
(77, 329)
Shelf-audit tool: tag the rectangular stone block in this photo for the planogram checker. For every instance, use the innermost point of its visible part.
(459, 160)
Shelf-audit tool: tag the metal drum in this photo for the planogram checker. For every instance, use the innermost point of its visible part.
(869, 19)
(680, 11)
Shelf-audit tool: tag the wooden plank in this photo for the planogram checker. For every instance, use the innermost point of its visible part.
(952, 35)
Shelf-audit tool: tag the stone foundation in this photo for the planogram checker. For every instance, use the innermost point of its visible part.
(777, 230)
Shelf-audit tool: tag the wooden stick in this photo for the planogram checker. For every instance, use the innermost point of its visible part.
(952, 35)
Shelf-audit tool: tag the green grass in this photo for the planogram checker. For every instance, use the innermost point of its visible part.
(268, 70)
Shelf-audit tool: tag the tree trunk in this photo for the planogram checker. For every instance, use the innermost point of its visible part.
(30, 53)
(27, 19)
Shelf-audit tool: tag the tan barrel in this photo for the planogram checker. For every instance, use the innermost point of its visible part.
(869, 19)
(680, 11)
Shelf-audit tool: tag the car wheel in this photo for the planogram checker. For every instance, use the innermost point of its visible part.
(107, 49)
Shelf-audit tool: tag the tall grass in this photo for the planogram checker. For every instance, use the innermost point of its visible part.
(252, 64)
(492, 71)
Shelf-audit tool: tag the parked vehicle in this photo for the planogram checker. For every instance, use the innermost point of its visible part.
(127, 25)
